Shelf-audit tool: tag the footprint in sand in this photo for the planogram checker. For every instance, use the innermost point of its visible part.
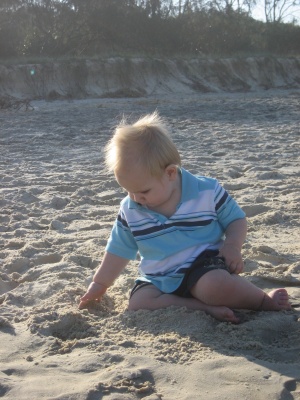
(3, 389)
(4, 221)
(255, 209)
(236, 186)
(84, 261)
(68, 326)
(7, 286)
(267, 254)
(56, 225)
(65, 188)
(84, 192)
(59, 202)
(27, 198)
(15, 244)
(234, 173)
(111, 197)
(47, 259)
(277, 217)
(18, 264)
(270, 175)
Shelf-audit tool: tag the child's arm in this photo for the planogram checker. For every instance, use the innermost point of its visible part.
(110, 268)
(231, 250)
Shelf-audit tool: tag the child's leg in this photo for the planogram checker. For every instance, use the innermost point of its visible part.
(218, 287)
(151, 298)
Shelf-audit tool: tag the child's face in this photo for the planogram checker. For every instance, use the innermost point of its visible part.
(146, 189)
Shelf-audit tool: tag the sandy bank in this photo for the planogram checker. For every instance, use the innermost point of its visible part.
(138, 77)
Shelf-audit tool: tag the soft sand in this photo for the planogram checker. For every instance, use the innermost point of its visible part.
(57, 208)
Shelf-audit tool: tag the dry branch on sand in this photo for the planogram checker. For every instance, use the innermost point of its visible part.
(11, 103)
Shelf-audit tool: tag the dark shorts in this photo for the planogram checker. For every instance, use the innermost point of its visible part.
(205, 262)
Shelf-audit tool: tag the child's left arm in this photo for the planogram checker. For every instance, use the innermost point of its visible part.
(231, 250)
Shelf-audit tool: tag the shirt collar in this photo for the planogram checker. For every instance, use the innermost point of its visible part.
(133, 204)
(189, 186)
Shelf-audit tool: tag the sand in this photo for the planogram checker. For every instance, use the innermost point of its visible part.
(57, 209)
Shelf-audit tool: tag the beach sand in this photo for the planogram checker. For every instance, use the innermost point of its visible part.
(57, 209)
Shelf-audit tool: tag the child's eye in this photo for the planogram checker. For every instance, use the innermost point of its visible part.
(145, 191)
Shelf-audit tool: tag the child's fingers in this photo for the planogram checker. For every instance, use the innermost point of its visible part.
(82, 304)
(236, 267)
(84, 300)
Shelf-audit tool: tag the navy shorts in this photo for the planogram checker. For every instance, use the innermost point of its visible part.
(205, 262)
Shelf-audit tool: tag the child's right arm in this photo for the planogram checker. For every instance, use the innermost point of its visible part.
(110, 268)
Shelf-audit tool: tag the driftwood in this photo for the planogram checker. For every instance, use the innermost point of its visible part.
(12, 103)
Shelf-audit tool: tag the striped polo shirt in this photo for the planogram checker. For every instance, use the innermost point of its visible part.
(169, 245)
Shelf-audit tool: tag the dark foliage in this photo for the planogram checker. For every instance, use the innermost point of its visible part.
(55, 28)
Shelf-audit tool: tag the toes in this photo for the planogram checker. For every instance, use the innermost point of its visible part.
(276, 300)
(229, 316)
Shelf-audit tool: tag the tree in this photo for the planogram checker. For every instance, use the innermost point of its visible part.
(279, 10)
(6, 5)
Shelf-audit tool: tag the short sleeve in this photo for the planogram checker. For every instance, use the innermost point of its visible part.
(121, 241)
(226, 207)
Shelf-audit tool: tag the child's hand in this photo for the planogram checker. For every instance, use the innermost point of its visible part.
(95, 292)
(233, 258)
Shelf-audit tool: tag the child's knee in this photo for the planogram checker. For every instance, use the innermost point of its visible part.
(215, 281)
(131, 306)
(136, 301)
(144, 298)
(215, 278)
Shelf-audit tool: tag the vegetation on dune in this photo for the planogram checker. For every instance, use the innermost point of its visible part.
(87, 28)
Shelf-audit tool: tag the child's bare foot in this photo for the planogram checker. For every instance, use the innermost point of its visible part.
(276, 300)
(222, 313)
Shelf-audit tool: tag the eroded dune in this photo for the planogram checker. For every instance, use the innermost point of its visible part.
(139, 77)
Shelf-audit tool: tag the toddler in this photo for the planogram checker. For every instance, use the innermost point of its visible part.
(187, 230)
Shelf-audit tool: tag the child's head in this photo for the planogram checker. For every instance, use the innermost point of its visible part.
(146, 144)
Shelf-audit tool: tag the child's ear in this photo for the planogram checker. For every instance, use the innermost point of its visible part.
(171, 171)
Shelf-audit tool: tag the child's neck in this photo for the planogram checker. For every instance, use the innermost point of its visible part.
(170, 207)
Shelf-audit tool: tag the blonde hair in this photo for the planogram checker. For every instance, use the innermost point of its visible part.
(145, 143)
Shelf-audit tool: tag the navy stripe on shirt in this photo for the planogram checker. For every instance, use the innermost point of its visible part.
(159, 228)
(221, 201)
